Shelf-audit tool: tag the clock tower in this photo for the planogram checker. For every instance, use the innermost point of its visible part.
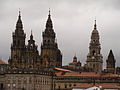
(94, 57)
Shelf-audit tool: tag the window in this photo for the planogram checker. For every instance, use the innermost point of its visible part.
(93, 52)
(65, 86)
(74, 85)
(59, 87)
(70, 85)
(93, 65)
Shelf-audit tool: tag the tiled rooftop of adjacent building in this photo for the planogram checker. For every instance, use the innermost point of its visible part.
(106, 86)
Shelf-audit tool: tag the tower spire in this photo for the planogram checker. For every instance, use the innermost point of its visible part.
(49, 11)
(31, 36)
(19, 12)
(19, 21)
(31, 31)
(49, 21)
(110, 62)
(111, 55)
(95, 26)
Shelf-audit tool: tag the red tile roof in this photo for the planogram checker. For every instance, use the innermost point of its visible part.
(86, 74)
(2, 62)
(71, 66)
(61, 69)
(105, 86)
(77, 74)
(73, 63)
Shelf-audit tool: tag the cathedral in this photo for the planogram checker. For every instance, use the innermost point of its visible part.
(27, 56)
(31, 69)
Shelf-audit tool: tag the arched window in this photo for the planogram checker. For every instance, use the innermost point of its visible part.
(74, 85)
(65, 86)
(93, 65)
(48, 41)
(93, 52)
(59, 87)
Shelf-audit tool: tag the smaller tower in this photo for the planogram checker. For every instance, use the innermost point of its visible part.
(75, 59)
(110, 62)
(75, 62)
(32, 57)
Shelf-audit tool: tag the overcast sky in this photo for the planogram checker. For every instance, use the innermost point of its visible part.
(73, 22)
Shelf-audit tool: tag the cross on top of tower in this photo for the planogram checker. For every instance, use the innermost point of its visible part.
(31, 36)
(49, 11)
(19, 21)
(49, 21)
(95, 26)
(19, 12)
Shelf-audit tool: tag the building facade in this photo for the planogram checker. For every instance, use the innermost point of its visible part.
(29, 70)
(68, 80)
(23, 56)
(28, 80)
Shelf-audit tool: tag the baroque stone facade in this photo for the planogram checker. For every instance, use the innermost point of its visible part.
(50, 54)
(23, 56)
(27, 56)
(29, 70)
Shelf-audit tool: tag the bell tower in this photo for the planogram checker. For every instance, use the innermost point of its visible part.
(94, 57)
(50, 54)
(18, 46)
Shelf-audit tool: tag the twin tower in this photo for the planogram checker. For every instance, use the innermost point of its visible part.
(27, 56)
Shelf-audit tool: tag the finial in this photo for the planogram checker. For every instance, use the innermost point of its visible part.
(95, 26)
(31, 31)
(75, 58)
(19, 21)
(49, 11)
(19, 12)
(31, 36)
(49, 21)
